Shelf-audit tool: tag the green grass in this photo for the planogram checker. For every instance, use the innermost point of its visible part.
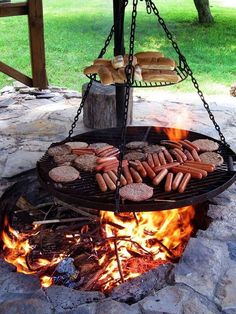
(75, 31)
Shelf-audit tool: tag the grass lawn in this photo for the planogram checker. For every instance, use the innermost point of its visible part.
(75, 31)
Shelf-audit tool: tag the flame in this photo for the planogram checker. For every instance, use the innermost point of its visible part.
(142, 242)
(17, 249)
(180, 120)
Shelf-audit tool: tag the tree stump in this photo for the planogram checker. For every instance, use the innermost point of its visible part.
(100, 107)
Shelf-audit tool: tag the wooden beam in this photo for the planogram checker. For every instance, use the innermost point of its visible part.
(6, 69)
(13, 9)
(36, 35)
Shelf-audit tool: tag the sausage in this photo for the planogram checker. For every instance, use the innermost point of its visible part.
(200, 165)
(103, 149)
(171, 144)
(168, 155)
(190, 168)
(149, 170)
(122, 178)
(184, 182)
(115, 166)
(101, 182)
(161, 175)
(135, 175)
(186, 145)
(167, 166)
(177, 180)
(150, 160)
(182, 155)
(193, 145)
(162, 158)
(168, 183)
(105, 159)
(127, 175)
(106, 164)
(194, 172)
(83, 151)
(112, 152)
(109, 182)
(141, 169)
(156, 160)
(176, 155)
(113, 176)
(195, 155)
(189, 155)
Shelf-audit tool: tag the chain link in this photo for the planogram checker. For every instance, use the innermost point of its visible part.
(129, 70)
(101, 54)
(182, 60)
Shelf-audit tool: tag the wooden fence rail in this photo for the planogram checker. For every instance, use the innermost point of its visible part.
(34, 10)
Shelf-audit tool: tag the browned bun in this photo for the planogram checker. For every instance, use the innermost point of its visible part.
(92, 69)
(160, 76)
(117, 62)
(148, 54)
(101, 61)
(126, 60)
(157, 63)
(105, 75)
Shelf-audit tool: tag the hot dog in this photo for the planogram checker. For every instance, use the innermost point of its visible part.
(171, 144)
(115, 166)
(122, 178)
(167, 166)
(83, 151)
(193, 145)
(200, 165)
(184, 182)
(168, 183)
(162, 158)
(109, 182)
(190, 168)
(127, 175)
(182, 155)
(160, 177)
(103, 149)
(135, 175)
(195, 155)
(156, 160)
(106, 164)
(194, 172)
(189, 155)
(150, 160)
(113, 176)
(168, 155)
(101, 182)
(186, 145)
(140, 168)
(176, 155)
(177, 180)
(109, 153)
(149, 170)
(105, 159)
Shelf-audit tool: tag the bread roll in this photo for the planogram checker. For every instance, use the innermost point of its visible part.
(92, 69)
(157, 63)
(122, 74)
(101, 61)
(138, 73)
(148, 54)
(119, 79)
(117, 62)
(160, 76)
(126, 60)
(105, 75)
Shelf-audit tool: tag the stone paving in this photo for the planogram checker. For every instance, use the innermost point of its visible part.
(204, 281)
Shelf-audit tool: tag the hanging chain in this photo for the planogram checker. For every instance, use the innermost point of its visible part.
(129, 70)
(183, 60)
(101, 54)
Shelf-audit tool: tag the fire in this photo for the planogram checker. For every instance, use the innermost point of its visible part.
(135, 244)
(17, 249)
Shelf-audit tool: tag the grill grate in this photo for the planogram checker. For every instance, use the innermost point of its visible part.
(85, 192)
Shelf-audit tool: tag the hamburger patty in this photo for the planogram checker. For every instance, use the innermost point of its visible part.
(64, 174)
(136, 192)
(77, 145)
(206, 145)
(151, 149)
(212, 158)
(64, 158)
(136, 145)
(59, 150)
(86, 162)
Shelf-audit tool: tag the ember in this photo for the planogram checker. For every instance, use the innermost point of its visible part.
(137, 243)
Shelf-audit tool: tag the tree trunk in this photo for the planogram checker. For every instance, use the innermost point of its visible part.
(204, 12)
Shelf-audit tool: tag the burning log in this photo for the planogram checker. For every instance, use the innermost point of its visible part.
(54, 221)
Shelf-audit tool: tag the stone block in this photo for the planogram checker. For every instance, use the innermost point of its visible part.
(30, 306)
(113, 307)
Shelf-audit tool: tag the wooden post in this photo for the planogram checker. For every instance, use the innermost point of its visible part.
(36, 36)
